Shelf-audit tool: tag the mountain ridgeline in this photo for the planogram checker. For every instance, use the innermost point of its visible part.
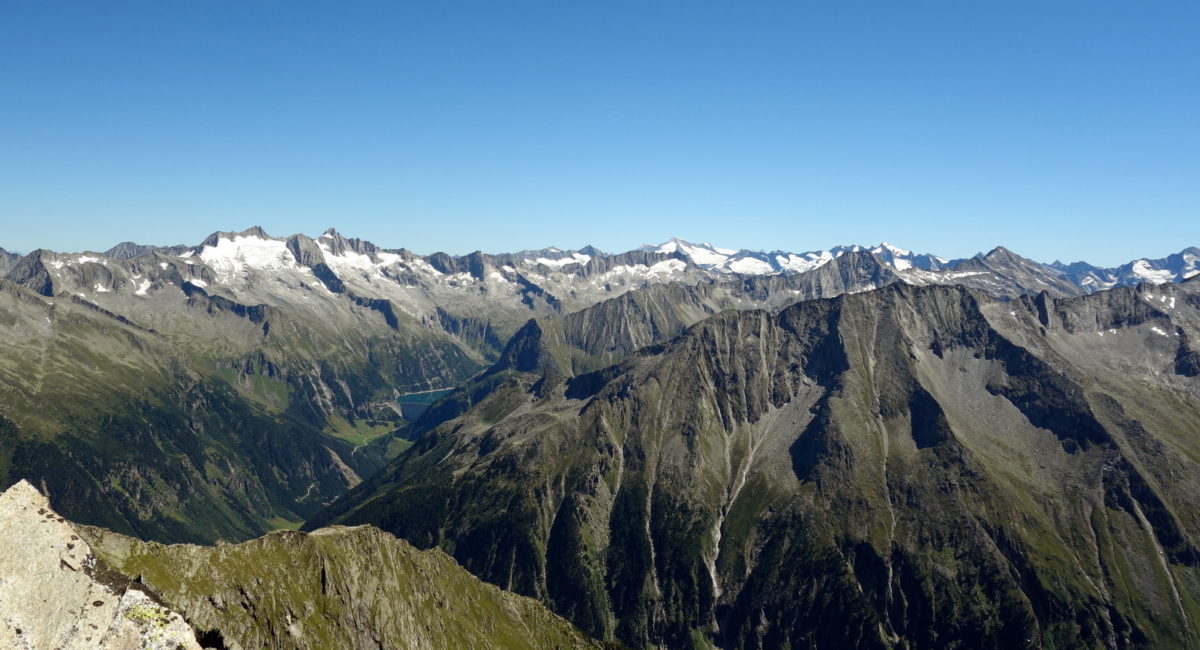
(607, 332)
(905, 467)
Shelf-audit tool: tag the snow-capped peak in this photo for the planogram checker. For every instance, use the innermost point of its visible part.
(230, 254)
(668, 246)
(894, 250)
(705, 255)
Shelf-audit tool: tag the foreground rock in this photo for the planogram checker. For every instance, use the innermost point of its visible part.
(54, 593)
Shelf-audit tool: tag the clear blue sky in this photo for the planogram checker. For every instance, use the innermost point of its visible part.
(1058, 129)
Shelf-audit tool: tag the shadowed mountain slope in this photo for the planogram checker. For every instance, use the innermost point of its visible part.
(609, 331)
(906, 467)
(214, 435)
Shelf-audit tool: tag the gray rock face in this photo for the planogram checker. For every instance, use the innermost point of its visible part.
(128, 250)
(1002, 272)
(55, 594)
(7, 261)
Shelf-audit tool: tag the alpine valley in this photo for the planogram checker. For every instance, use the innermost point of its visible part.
(676, 446)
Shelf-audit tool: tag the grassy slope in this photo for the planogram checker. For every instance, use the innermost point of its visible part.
(343, 587)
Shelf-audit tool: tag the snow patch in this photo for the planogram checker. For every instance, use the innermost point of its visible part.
(706, 256)
(143, 288)
(894, 250)
(576, 258)
(233, 257)
(702, 254)
(666, 267)
(803, 263)
(421, 265)
(1158, 331)
(750, 266)
(352, 260)
(637, 269)
(1143, 270)
(101, 288)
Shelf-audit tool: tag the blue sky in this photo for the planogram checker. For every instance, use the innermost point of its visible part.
(1063, 129)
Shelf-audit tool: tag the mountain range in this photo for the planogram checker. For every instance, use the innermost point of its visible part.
(302, 345)
(1086, 277)
(676, 446)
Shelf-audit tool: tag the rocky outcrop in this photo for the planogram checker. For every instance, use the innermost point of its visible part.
(7, 261)
(128, 250)
(54, 593)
